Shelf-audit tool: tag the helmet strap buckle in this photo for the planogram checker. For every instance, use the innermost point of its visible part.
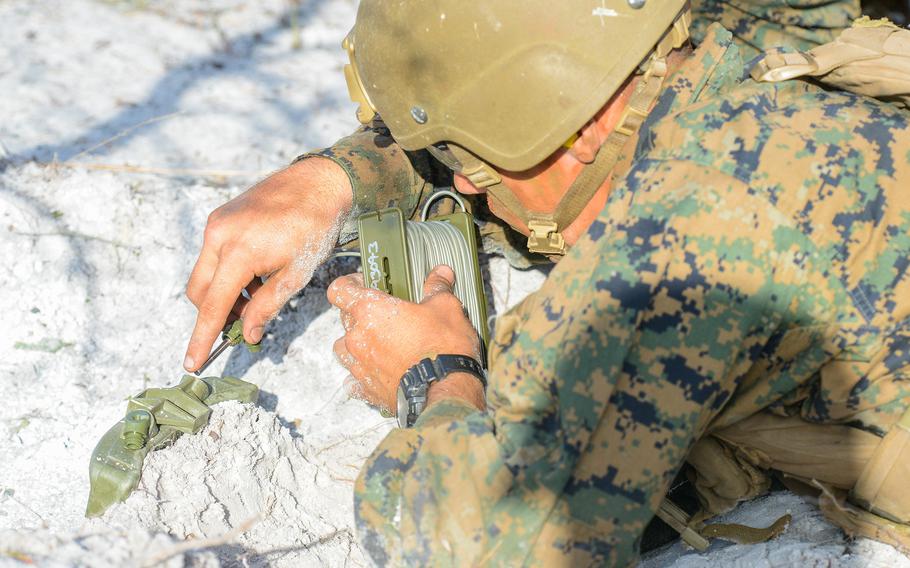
(481, 175)
(545, 237)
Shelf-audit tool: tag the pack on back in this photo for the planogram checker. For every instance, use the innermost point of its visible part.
(870, 58)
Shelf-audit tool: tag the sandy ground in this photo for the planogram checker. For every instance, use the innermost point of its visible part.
(123, 124)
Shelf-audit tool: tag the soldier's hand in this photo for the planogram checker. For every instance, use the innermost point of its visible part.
(283, 228)
(384, 335)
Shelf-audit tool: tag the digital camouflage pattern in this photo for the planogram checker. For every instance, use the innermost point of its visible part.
(756, 26)
(753, 255)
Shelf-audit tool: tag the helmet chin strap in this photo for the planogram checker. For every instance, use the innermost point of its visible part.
(546, 228)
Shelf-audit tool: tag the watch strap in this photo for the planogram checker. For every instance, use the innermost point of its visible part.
(416, 380)
(445, 364)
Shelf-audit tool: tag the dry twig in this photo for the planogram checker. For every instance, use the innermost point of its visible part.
(851, 514)
(177, 172)
(78, 235)
(124, 132)
(30, 510)
(353, 436)
(188, 545)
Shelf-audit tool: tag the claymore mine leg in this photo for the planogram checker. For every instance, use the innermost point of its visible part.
(154, 419)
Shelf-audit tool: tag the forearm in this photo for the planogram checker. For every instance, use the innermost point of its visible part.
(457, 387)
(323, 183)
(594, 398)
(430, 464)
(381, 174)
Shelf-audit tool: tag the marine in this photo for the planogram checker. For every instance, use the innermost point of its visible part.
(732, 260)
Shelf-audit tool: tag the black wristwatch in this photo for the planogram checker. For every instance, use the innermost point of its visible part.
(412, 390)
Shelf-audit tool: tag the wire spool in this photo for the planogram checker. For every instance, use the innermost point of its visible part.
(397, 255)
(431, 243)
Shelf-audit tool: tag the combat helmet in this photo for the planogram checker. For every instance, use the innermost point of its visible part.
(481, 82)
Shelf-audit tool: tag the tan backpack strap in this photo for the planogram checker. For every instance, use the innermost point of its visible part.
(670, 513)
(878, 507)
(696, 534)
(870, 58)
(742, 534)
(857, 522)
(776, 67)
(882, 485)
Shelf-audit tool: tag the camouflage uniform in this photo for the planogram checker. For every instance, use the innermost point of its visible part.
(756, 26)
(753, 255)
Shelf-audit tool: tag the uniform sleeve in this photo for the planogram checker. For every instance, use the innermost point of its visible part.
(760, 25)
(600, 385)
(382, 174)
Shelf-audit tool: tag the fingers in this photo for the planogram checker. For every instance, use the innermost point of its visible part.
(346, 290)
(440, 280)
(355, 384)
(353, 388)
(222, 293)
(244, 299)
(202, 274)
(267, 300)
(345, 358)
(208, 261)
(358, 304)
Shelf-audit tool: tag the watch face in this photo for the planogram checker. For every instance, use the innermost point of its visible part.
(403, 408)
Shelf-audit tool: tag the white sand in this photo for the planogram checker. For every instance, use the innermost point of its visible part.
(809, 541)
(246, 466)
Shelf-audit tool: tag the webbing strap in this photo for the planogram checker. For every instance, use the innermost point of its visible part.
(871, 58)
(678, 520)
(697, 538)
(742, 534)
(545, 228)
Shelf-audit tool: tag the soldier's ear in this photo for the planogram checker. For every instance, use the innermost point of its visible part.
(596, 131)
(585, 147)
